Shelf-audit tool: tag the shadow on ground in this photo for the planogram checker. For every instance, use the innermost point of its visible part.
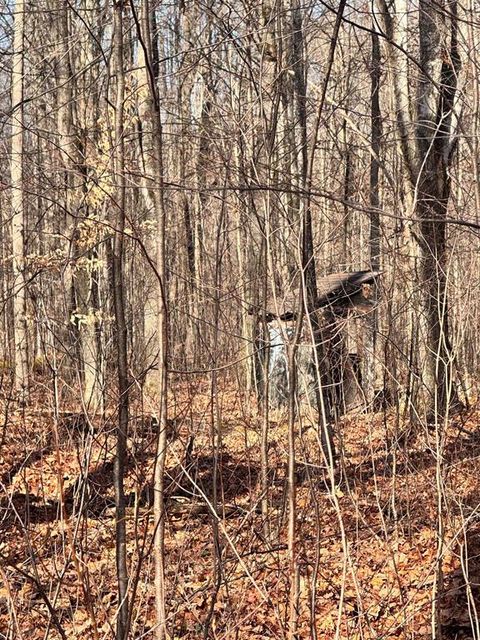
(460, 603)
(93, 495)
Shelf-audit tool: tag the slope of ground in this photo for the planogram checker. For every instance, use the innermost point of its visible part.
(374, 558)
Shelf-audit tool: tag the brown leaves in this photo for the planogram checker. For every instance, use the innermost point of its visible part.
(376, 581)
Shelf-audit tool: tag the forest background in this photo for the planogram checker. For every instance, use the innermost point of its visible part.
(169, 169)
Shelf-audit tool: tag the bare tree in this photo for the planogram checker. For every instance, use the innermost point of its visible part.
(120, 323)
(75, 118)
(428, 142)
(153, 125)
(18, 215)
(371, 364)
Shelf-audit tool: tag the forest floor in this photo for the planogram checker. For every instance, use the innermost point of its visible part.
(369, 546)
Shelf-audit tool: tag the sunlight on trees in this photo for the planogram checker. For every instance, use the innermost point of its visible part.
(239, 343)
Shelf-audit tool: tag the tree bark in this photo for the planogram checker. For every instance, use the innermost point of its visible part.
(428, 146)
(120, 323)
(81, 274)
(18, 213)
(370, 364)
(155, 124)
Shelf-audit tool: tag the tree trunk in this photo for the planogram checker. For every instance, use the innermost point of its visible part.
(156, 163)
(147, 297)
(370, 364)
(18, 222)
(81, 274)
(120, 323)
(435, 150)
(428, 146)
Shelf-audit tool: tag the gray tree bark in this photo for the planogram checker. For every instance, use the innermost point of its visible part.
(17, 203)
(428, 146)
(120, 323)
(81, 274)
(153, 116)
(371, 363)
